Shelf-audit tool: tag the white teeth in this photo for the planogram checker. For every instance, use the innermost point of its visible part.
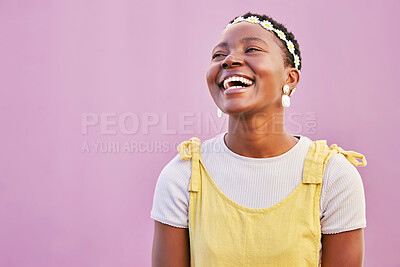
(232, 87)
(236, 78)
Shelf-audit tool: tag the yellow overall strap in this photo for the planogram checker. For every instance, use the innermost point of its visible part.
(314, 163)
(319, 155)
(191, 150)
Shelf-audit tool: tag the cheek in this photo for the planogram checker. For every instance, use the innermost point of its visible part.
(212, 74)
(270, 69)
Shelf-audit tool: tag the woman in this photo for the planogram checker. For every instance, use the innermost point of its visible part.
(257, 195)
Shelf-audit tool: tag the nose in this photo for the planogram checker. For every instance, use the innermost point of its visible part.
(231, 61)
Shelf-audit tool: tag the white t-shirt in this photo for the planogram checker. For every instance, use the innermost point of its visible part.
(261, 183)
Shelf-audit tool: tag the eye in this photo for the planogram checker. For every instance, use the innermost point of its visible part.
(216, 55)
(252, 49)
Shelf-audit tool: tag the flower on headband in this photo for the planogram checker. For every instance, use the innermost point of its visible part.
(237, 20)
(252, 19)
(296, 61)
(281, 34)
(290, 46)
(267, 25)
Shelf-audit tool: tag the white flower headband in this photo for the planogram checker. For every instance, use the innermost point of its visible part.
(268, 26)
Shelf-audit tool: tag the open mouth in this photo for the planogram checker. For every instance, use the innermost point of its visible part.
(235, 81)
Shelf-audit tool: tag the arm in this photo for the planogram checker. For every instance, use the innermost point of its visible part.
(344, 249)
(342, 209)
(170, 214)
(170, 246)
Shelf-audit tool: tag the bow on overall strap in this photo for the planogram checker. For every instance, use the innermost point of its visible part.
(185, 151)
(191, 150)
(319, 155)
(351, 156)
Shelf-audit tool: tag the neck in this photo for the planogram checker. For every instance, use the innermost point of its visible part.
(259, 136)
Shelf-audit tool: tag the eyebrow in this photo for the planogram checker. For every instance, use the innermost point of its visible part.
(243, 40)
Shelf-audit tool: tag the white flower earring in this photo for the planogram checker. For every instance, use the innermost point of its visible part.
(285, 97)
(219, 113)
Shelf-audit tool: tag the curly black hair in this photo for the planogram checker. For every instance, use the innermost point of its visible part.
(287, 56)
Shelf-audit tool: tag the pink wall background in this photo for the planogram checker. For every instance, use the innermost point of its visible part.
(61, 61)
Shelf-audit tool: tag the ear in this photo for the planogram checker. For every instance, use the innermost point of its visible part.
(292, 78)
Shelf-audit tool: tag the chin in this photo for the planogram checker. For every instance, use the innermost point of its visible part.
(236, 109)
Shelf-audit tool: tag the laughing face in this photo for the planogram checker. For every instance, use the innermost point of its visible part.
(247, 71)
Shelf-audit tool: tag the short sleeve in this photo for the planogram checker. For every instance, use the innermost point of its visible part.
(171, 195)
(342, 197)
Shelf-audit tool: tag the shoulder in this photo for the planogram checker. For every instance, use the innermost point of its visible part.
(171, 196)
(177, 172)
(342, 197)
(340, 166)
(339, 172)
(341, 177)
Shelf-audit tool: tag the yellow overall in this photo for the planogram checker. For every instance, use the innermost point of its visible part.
(224, 233)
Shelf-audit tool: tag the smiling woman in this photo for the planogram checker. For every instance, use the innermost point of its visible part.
(266, 197)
